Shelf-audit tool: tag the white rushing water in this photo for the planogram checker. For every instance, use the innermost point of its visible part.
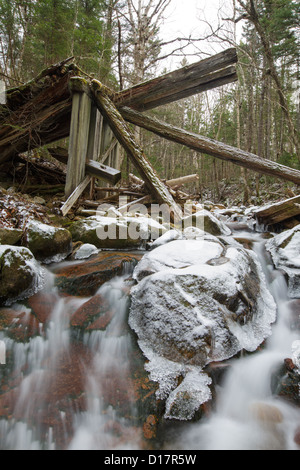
(111, 350)
(93, 429)
(247, 416)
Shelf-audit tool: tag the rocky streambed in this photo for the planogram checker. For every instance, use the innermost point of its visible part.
(112, 343)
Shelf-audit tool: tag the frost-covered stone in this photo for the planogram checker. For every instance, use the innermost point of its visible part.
(285, 251)
(20, 274)
(48, 244)
(85, 251)
(195, 302)
(206, 221)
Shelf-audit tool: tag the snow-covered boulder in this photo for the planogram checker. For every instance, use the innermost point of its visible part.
(20, 274)
(117, 232)
(195, 302)
(285, 251)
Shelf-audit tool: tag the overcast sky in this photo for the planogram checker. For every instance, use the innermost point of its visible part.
(188, 17)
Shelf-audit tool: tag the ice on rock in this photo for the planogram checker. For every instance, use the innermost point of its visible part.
(85, 251)
(187, 398)
(197, 301)
(296, 354)
(285, 251)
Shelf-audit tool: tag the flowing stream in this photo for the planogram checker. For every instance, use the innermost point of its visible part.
(246, 415)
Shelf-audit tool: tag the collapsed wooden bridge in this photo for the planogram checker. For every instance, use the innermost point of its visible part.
(64, 102)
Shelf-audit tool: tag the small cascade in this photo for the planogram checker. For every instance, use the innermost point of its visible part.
(70, 385)
(247, 416)
(43, 366)
(109, 372)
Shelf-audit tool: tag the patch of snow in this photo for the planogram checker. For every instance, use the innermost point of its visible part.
(85, 251)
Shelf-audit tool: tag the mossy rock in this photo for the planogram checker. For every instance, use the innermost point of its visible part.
(47, 243)
(20, 275)
(10, 236)
(112, 233)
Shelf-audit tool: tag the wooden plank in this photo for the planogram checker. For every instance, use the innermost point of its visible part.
(124, 135)
(78, 142)
(181, 83)
(103, 172)
(279, 212)
(212, 147)
(75, 195)
(92, 168)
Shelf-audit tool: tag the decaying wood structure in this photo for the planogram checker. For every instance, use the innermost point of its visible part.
(63, 102)
(280, 212)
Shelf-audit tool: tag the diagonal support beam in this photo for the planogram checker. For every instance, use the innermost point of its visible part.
(125, 137)
(211, 147)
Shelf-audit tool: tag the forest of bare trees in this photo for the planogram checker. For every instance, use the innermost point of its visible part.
(121, 43)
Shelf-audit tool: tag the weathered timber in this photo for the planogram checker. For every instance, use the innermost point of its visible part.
(103, 172)
(204, 75)
(67, 206)
(78, 146)
(18, 96)
(177, 182)
(92, 168)
(173, 183)
(37, 113)
(279, 212)
(211, 147)
(126, 139)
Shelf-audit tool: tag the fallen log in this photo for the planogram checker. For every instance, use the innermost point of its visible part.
(177, 182)
(202, 76)
(278, 212)
(211, 147)
(173, 183)
(125, 137)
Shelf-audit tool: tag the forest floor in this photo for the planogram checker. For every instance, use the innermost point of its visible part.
(38, 191)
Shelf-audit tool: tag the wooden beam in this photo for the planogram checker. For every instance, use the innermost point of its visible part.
(211, 147)
(92, 168)
(78, 142)
(187, 81)
(125, 137)
(103, 172)
(278, 212)
(75, 195)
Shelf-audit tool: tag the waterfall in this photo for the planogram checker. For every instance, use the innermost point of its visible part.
(37, 364)
(247, 416)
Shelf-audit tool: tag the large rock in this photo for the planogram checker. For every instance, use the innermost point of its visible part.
(119, 232)
(285, 251)
(10, 236)
(84, 278)
(20, 274)
(195, 302)
(47, 243)
(206, 221)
